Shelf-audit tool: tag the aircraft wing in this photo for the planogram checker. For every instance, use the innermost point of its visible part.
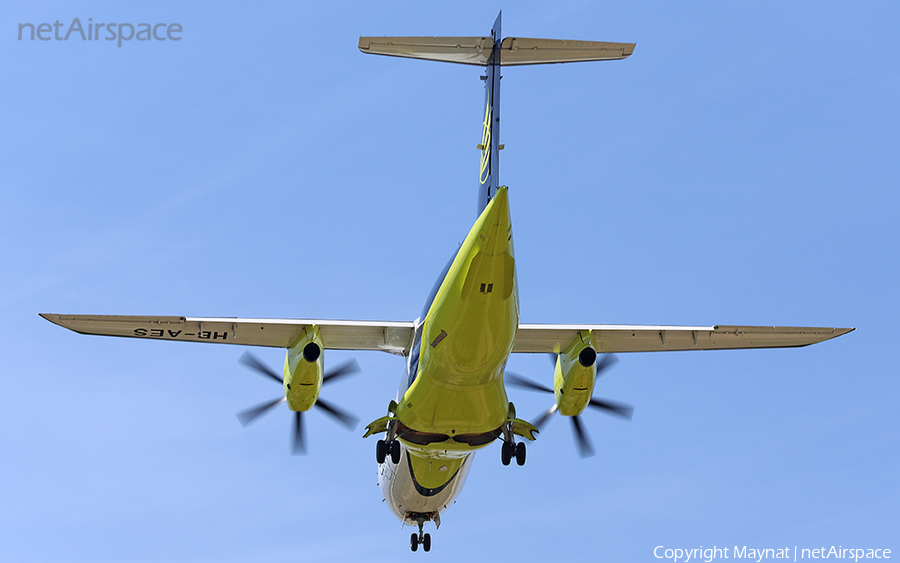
(393, 337)
(627, 338)
(396, 337)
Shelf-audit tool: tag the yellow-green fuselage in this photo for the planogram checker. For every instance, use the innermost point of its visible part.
(467, 335)
(455, 402)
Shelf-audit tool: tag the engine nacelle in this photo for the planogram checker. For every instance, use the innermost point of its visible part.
(304, 367)
(573, 380)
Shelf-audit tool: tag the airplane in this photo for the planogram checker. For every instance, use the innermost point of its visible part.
(452, 399)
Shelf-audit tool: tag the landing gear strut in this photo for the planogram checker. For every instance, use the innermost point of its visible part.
(420, 538)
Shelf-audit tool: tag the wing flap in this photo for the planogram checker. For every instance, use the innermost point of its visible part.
(627, 338)
(393, 337)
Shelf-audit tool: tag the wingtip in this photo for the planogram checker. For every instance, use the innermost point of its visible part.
(837, 332)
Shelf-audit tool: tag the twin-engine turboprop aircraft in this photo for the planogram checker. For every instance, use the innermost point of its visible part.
(452, 399)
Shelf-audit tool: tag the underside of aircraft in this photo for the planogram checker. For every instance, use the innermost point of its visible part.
(452, 399)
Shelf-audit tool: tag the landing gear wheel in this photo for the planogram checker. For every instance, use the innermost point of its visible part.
(414, 542)
(426, 542)
(395, 451)
(520, 453)
(380, 451)
(506, 452)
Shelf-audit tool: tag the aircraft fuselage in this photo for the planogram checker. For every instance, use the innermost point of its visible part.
(452, 400)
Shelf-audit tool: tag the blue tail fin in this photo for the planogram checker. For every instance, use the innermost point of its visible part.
(489, 173)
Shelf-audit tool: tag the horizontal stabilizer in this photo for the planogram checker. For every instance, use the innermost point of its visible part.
(461, 50)
(514, 51)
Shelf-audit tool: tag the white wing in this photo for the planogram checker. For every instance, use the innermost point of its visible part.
(628, 338)
(396, 337)
(393, 337)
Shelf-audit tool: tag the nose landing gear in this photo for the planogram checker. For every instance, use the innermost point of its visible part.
(421, 538)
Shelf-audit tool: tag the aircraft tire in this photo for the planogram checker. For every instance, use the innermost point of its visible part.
(380, 451)
(426, 542)
(520, 453)
(395, 451)
(506, 453)
(414, 542)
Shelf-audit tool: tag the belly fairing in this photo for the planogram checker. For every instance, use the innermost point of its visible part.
(420, 486)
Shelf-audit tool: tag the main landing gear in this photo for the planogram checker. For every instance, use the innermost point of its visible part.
(382, 449)
(416, 539)
(390, 446)
(511, 450)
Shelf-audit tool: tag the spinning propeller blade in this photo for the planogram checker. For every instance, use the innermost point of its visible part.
(619, 409)
(344, 418)
(525, 383)
(584, 444)
(585, 449)
(253, 363)
(608, 361)
(544, 417)
(298, 445)
(347, 368)
(248, 416)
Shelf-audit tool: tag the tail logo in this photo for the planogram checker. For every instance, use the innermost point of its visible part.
(485, 173)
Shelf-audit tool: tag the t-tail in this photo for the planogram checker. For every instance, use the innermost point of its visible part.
(493, 52)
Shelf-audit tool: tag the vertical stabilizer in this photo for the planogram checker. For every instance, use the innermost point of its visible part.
(488, 52)
(489, 172)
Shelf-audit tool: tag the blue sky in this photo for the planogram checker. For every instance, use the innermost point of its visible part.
(740, 168)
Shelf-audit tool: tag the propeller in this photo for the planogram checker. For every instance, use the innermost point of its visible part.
(585, 449)
(298, 446)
